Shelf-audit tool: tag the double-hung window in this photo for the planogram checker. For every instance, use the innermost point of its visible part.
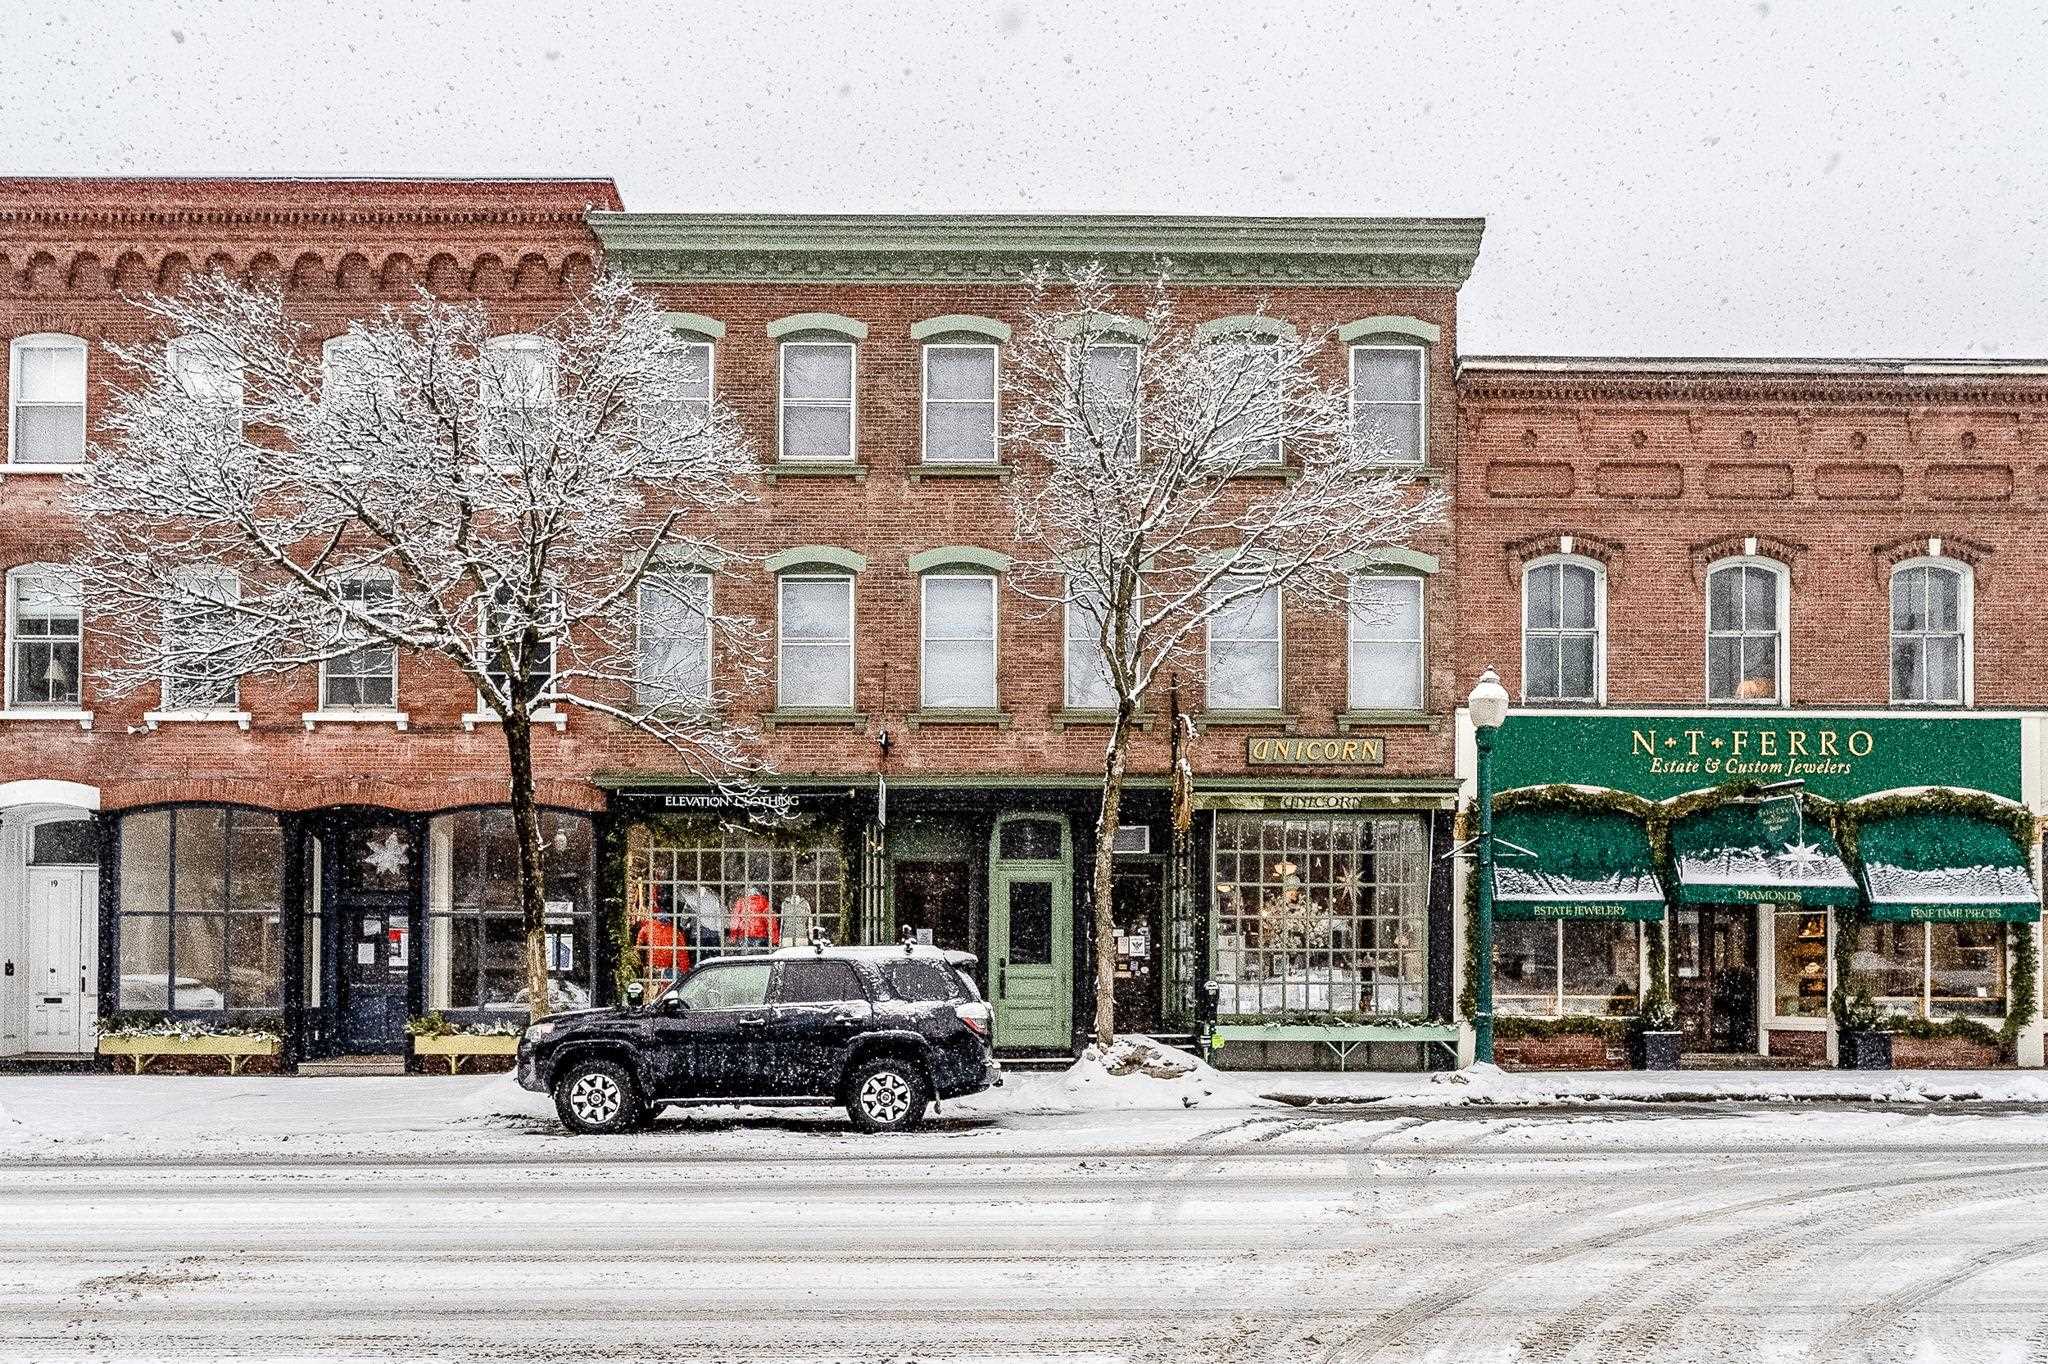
(959, 403)
(46, 388)
(519, 391)
(1245, 373)
(1244, 648)
(366, 676)
(498, 638)
(1746, 632)
(199, 628)
(814, 653)
(45, 634)
(691, 407)
(1389, 383)
(675, 641)
(817, 401)
(1561, 631)
(1386, 642)
(1088, 683)
(211, 378)
(1930, 633)
(959, 656)
(1109, 397)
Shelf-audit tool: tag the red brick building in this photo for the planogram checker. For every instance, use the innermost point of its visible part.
(1813, 577)
(340, 868)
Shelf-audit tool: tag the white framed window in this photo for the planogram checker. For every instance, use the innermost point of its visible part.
(210, 375)
(46, 400)
(1109, 395)
(1088, 684)
(194, 630)
(1747, 608)
(960, 387)
(817, 419)
(957, 661)
(694, 391)
(674, 641)
(45, 638)
(1248, 362)
(1547, 968)
(540, 679)
(519, 388)
(1245, 654)
(1386, 654)
(814, 641)
(366, 677)
(1564, 630)
(348, 378)
(1931, 601)
(1389, 388)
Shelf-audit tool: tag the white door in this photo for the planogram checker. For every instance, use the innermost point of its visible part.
(57, 938)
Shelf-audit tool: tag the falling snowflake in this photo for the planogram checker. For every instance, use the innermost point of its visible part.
(389, 857)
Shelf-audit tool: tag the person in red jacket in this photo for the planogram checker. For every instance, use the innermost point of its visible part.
(751, 921)
(662, 947)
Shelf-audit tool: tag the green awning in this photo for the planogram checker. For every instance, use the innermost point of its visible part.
(1759, 853)
(1587, 865)
(1945, 866)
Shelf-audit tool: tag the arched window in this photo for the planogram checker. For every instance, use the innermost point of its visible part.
(1564, 629)
(46, 400)
(45, 634)
(210, 376)
(519, 388)
(1747, 615)
(1931, 632)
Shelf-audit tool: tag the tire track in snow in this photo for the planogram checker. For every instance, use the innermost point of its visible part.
(1891, 1310)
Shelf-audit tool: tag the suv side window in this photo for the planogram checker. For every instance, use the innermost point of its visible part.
(741, 985)
(819, 982)
(921, 982)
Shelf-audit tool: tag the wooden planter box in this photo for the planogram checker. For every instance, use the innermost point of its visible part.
(456, 1048)
(143, 1050)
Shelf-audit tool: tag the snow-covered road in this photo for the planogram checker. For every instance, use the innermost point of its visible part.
(1240, 1234)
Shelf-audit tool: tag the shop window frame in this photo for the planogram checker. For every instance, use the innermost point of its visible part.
(1557, 635)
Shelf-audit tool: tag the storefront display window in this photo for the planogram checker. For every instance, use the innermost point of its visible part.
(1801, 942)
(698, 894)
(1940, 970)
(201, 910)
(1320, 915)
(1551, 968)
(476, 933)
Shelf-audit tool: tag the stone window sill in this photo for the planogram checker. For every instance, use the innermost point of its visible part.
(1284, 473)
(81, 718)
(397, 719)
(1218, 719)
(546, 715)
(238, 718)
(1072, 719)
(928, 470)
(790, 468)
(1386, 719)
(776, 719)
(66, 468)
(958, 715)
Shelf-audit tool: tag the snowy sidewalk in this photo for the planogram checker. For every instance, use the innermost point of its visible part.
(1484, 1085)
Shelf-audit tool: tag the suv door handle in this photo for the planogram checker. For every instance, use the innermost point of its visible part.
(749, 1024)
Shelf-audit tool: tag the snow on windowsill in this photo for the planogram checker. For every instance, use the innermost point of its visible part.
(81, 718)
(67, 468)
(238, 718)
(396, 718)
(546, 715)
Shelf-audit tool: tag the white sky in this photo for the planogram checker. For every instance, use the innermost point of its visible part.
(1693, 178)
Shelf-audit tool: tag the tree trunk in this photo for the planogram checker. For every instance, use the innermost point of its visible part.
(532, 884)
(1105, 882)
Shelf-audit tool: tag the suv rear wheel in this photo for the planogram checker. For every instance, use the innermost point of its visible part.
(887, 1094)
(598, 1096)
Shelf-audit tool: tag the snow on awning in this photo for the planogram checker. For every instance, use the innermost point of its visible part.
(1587, 865)
(1945, 866)
(1759, 853)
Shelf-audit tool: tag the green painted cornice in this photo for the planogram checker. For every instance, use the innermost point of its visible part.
(1000, 248)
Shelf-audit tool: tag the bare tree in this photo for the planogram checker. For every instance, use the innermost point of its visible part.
(1149, 510)
(535, 511)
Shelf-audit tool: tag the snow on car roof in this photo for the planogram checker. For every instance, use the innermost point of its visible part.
(914, 950)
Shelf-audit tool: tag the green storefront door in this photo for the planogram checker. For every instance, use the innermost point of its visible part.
(1030, 931)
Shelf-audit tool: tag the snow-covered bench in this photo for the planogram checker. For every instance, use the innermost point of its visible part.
(1341, 1038)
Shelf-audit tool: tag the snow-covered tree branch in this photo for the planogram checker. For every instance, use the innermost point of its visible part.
(1176, 481)
(535, 511)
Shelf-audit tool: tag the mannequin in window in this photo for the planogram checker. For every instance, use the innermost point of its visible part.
(796, 920)
(704, 919)
(752, 922)
(662, 946)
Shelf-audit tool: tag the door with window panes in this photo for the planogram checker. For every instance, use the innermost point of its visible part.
(377, 868)
(1030, 932)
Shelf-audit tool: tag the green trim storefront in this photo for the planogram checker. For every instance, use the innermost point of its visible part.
(1762, 880)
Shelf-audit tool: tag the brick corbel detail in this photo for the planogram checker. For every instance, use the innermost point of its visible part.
(1889, 555)
(1519, 553)
(1708, 552)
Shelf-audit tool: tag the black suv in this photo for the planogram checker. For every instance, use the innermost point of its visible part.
(883, 1031)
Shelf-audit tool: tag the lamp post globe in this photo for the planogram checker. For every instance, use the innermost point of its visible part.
(1488, 707)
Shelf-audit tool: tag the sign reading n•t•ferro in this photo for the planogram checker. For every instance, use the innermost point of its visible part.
(1293, 750)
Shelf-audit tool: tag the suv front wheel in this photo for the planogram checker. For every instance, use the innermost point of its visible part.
(598, 1096)
(887, 1094)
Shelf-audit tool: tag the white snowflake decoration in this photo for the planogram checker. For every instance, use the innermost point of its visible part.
(389, 857)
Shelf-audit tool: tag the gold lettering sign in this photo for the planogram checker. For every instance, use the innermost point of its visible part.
(1293, 750)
